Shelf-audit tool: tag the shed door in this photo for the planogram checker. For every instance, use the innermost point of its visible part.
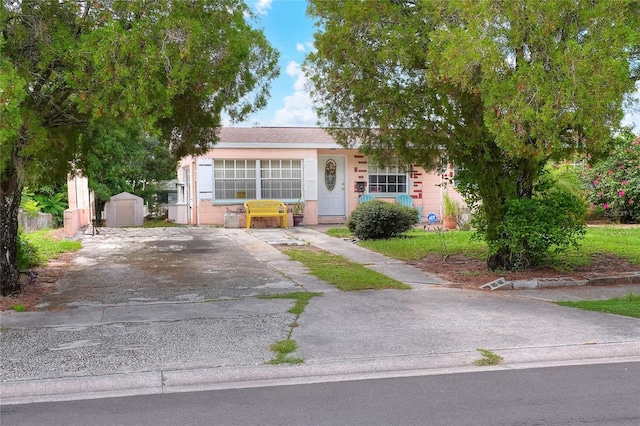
(125, 210)
(331, 186)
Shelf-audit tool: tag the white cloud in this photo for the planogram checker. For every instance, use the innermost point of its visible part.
(304, 47)
(294, 70)
(632, 120)
(632, 113)
(298, 108)
(262, 6)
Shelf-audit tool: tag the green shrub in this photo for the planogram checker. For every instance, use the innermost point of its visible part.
(614, 181)
(54, 204)
(27, 252)
(595, 212)
(533, 227)
(380, 220)
(31, 208)
(568, 177)
(45, 199)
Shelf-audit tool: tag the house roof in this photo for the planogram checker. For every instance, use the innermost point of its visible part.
(125, 196)
(275, 137)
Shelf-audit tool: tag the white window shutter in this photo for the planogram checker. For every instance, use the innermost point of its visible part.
(310, 176)
(205, 178)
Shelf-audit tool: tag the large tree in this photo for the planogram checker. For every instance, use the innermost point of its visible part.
(499, 88)
(177, 65)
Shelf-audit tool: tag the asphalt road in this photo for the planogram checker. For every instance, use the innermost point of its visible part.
(602, 394)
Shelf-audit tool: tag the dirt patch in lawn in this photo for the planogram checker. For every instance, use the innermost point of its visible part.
(467, 272)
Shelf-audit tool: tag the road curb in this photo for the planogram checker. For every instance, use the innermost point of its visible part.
(314, 371)
(632, 277)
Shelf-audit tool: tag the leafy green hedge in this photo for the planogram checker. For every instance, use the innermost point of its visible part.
(27, 252)
(380, 220)
(533, 227)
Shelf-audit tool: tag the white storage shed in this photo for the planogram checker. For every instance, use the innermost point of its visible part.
(125, 209)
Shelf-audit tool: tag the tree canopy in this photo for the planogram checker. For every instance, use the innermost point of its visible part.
(498, 88)
(175, 65)
(117, 156)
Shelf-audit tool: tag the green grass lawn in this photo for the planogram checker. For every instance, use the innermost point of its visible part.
(417, 243)
(159, 223)
(628, 305)
(340, 272)
(48, 245)
(623, 242)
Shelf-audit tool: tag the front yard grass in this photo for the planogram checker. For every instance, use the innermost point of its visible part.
(340, 272)
(159, 223)
(628, 305)
(622, 242)
(49, 244)
(417, 243)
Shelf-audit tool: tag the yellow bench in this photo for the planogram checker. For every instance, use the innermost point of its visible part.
(266, 208)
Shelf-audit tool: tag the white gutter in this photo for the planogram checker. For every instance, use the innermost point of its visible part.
(280, 145)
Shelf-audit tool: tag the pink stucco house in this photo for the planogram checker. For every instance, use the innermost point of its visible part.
(289, 164)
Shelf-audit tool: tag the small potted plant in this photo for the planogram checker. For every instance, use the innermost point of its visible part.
(450, 212)
(298, 212)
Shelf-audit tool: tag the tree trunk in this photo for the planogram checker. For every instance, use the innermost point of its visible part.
(523, 177)
(99, 209)
(10, 195)
(501, 178)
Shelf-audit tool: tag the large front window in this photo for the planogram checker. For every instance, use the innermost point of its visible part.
(387, 180)
(281, 179)
(234, 179)
(257, 179)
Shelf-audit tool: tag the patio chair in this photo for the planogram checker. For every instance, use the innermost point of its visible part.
(406, 200)
(365, 197)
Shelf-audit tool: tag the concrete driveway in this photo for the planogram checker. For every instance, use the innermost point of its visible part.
(172, 309)
(137, 265)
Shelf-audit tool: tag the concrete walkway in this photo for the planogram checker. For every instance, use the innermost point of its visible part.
(178, 309)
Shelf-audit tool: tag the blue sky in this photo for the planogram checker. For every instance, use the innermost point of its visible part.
(290, 31)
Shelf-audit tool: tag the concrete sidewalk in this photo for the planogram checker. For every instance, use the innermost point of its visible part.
(152, 311)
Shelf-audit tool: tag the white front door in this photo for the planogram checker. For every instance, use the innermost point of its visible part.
(331, 185)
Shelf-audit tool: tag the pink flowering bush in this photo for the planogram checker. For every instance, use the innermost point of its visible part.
(614, 182)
